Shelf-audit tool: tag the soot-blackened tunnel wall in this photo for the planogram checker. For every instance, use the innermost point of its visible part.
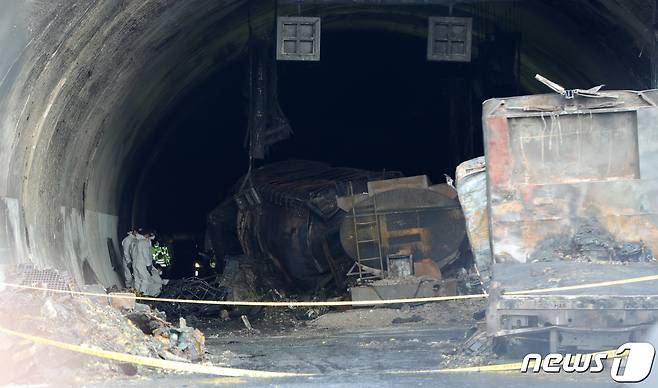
(91, 94)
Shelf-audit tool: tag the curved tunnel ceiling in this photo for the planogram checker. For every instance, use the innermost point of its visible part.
(85, 83)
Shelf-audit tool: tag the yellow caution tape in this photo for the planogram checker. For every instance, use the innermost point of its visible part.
(217, 381)
(482, 368)
(508, 367)
(588, 285)
(215, 370)
(342, 302)
(151, 362)
(236, 372)
(254, 303)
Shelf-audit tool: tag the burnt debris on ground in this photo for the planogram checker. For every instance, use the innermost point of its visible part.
(591, 242)
(192, 288)
(93, 322)
(436, 330)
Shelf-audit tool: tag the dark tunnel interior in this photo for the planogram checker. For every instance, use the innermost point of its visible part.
(374, 101)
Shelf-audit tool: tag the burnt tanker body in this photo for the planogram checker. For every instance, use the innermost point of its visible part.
(315, 222)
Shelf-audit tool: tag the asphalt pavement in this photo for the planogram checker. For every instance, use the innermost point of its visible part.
(399, 356)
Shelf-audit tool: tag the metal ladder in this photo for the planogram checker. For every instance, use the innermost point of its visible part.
(373, 226)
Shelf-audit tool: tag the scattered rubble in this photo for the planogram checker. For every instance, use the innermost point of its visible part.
(454, 357)
(87, 322)
(429, 314)
(266, 320)
(192, 288)
(182, 343)
(591, 242)
(242, 280)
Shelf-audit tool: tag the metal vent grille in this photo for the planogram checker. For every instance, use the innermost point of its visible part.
(28, 275)
(298, 38)
(449, 39)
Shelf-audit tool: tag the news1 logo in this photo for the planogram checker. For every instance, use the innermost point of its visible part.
(639, 360)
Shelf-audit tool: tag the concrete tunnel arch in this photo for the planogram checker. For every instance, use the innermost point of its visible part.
(82, 85)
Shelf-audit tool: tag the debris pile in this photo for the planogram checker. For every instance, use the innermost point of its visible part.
(291, 316)
(267, 320)
(591, 242)
(242, 280)
(182, 343)
(192, 289)
(469, 281)
(453, 356)
(88, 322)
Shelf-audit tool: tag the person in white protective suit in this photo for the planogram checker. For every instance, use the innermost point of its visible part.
(128, 247)
(142, 261)
(156, 281)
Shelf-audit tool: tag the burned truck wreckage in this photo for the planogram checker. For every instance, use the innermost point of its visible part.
(563, 198)
(566, 199)
(320, 226)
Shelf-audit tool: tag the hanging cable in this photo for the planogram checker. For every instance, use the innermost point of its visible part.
(267, 124)
(250, 54)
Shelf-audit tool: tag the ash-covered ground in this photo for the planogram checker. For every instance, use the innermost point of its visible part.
(313, 340)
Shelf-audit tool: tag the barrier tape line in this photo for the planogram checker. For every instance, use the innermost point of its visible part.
(343, 302)
(254, 303)
(509, 366)
(151, 362)
(588, 285)
(236, 372)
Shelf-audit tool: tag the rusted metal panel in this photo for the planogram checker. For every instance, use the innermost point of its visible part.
(562, 168)
(471, 181)
(410, 287)
(419, 181)
(416, 220)
(572, 195)
(584, 317)
(400, 266)
(587, 318)
(543, 275)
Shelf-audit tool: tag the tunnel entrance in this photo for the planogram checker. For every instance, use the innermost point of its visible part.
(373, 102)
(120, 114)
(101, 111)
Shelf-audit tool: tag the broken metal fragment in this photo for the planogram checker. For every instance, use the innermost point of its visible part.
(246, 322)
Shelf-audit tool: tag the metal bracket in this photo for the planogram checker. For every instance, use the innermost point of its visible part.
(571, 93)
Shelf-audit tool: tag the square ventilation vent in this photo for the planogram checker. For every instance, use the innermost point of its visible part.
(298, 38)
(449, 39)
